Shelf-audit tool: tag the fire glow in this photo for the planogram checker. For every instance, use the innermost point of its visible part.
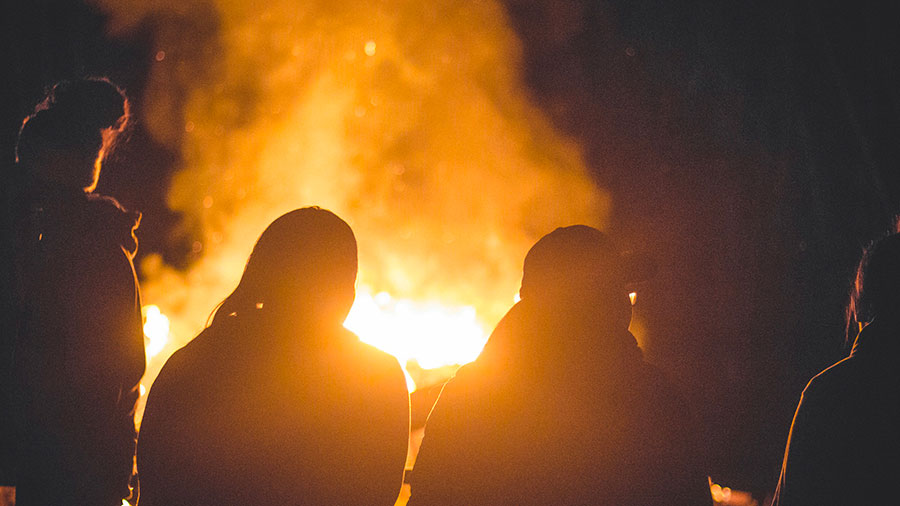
(430, 333)
(156, 330)
(408, 119)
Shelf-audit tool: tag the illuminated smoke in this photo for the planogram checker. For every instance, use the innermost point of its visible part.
(408, 119)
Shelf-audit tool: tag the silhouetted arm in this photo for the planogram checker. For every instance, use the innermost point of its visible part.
(161, 448)
(367, 437)
(389, 430)
(397, 432)
(443, 473)
(434, 476)
(808, 470)
(105, 360)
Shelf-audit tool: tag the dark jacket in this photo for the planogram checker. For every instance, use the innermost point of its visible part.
(844, 444)
(79, 351)
(557, 411)
(252, 412)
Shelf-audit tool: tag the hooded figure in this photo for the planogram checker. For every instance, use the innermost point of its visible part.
(560, 408)
(276, 403)
(78, 353)
(845, 437)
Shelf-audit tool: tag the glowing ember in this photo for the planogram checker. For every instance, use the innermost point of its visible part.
(156, 330)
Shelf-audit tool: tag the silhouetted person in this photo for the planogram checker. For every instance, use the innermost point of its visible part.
(275, 402)
(79, 348)
(844, 442)
(560, 408)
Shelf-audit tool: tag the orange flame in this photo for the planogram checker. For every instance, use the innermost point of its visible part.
(408, 119)
(430, 333)
(156, 330)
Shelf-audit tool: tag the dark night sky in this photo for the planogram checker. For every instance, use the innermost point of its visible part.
(750, 149)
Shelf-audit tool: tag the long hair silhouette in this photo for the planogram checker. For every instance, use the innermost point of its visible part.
(306, 257)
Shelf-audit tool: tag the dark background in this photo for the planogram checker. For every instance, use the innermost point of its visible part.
(749, 147)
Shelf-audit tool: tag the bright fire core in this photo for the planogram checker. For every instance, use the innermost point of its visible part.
(428, 333)
(431, 334)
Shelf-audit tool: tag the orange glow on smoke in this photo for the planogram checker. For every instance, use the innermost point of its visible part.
(408, 119)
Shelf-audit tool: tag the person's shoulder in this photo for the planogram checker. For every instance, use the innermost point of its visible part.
(168, 374)
(368, 355)
(370, 379)
(105, 203)
(182, 384)
(834, 380)
(184, 360)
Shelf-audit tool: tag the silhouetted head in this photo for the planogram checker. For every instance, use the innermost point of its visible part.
(70, 133)
(303, 266)
(876, 290)
(577, 268)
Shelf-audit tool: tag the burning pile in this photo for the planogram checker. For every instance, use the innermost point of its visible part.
(408, 119)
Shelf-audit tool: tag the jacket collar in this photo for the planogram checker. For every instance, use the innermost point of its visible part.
(880, 338)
